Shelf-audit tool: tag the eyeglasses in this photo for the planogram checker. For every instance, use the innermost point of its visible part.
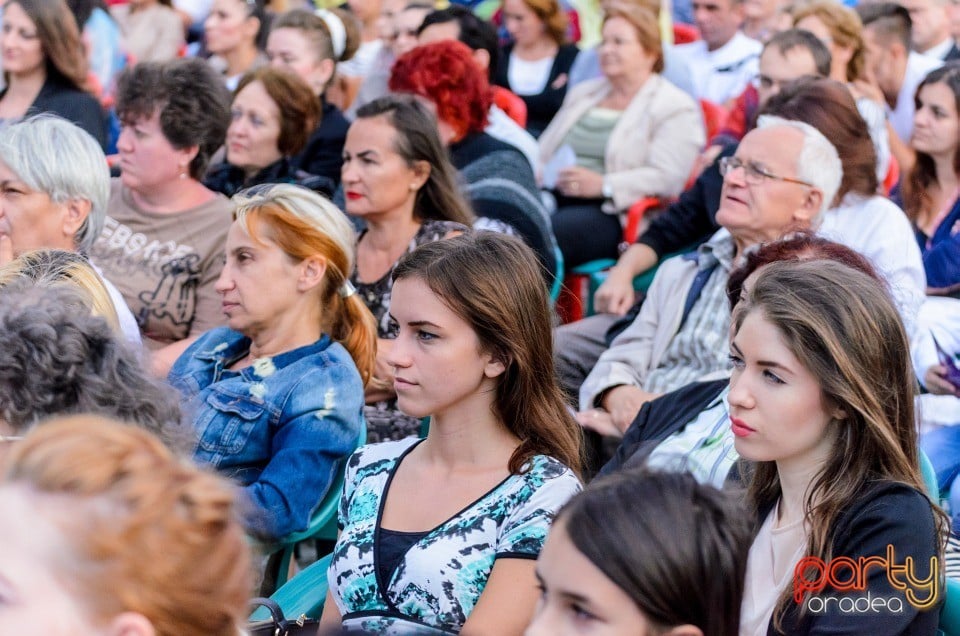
(753, 173)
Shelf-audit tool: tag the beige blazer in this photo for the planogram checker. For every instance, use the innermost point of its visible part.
(651, 149)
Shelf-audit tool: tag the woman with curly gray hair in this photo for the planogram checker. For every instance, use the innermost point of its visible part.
(75, 363)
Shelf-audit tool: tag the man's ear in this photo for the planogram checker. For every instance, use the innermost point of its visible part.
(131, 624)
(75, 213)
(482, 58)
(312, 271)
(810, 208)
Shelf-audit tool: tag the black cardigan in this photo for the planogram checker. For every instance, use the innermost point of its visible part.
(543, 106)
(59, 97)
(885, 514)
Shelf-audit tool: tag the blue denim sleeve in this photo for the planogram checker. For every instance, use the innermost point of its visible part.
(318, 430)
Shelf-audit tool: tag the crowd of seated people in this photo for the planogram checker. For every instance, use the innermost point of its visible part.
(268, 269)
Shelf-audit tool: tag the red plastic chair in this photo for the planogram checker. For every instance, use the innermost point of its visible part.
(714, 116)
(685, 33)
(511, 104)
(893, 176)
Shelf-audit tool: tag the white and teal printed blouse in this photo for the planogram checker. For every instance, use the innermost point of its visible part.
(439, 579)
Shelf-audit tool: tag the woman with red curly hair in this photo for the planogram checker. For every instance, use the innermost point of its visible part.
(499, 181)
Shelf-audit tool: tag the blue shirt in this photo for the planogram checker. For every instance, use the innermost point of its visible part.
(941, 252)
(281, 427)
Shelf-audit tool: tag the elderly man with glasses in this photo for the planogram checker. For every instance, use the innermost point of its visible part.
(783, 176)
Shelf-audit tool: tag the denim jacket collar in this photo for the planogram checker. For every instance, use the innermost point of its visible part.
(229, 351)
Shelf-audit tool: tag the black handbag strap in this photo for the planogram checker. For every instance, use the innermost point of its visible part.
(282, 626)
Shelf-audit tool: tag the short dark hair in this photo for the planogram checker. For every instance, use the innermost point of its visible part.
(193, 103)
(790, 39)
(681, 555)
(298, 106)
(474, 32)
(889, 20)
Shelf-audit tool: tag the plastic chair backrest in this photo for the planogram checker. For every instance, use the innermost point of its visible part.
(304, 594)
(714, 116)
(685, 33)
(950, 612)
(893, 176)
(929, 478)
(511, 104)
(323, 521)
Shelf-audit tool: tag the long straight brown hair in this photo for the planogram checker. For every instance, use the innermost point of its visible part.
(843, 328)
(59, 38)
(494, 283)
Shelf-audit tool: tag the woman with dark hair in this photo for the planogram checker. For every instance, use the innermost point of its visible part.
(397, 179)
(931, 190)
(45, 66)
(162, 243)
(234, 33)
(822, 404)
(272, 116)
(673, 565)
(499, 181)
(537, 61)
(311, 45)
(448, 526)
(152, 29)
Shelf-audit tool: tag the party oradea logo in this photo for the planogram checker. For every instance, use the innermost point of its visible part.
(840, 585)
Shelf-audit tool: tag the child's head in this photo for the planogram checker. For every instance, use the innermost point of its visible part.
(640, 553)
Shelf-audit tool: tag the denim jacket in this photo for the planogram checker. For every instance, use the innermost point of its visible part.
(281, 427)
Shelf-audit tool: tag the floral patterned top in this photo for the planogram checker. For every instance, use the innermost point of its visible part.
(384, 421)
(440, 578)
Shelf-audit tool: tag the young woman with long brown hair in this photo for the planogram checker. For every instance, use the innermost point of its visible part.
(45, 68)
(822, 403)
(449, 526)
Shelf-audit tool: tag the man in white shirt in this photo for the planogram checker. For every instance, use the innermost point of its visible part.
(931, 28)
(724, 60)
(896, 70)
(459, 23)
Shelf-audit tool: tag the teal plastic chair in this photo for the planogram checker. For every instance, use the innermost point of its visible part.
(557, 285)
(303, 595)
(950, 612)
(929, 477)
(322, 527)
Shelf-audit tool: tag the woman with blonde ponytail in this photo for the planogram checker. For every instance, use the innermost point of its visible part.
(277, 396)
